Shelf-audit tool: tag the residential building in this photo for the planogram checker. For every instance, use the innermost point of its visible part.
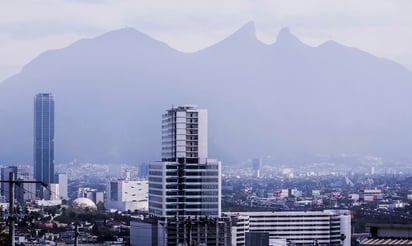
(61, 179)
(185, 182)
(184, 135)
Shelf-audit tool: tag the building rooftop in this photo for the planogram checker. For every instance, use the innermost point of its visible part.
(390, 226)
(386, 241)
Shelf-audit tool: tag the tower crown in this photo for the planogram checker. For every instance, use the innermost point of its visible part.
(184, 134)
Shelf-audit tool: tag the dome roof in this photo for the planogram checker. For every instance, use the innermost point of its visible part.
(83, 204)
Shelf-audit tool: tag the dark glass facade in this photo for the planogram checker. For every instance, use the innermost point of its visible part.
(44, 138)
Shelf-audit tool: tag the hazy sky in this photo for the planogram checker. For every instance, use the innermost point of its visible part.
(29, 27)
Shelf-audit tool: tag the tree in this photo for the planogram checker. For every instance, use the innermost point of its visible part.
(100, 207)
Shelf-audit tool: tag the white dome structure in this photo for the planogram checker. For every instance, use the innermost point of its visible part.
(82, 204)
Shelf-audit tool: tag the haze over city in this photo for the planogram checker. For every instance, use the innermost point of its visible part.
(287, 99)
(30, 28)
(205, 122)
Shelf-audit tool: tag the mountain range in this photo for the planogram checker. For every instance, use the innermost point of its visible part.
(286, 100)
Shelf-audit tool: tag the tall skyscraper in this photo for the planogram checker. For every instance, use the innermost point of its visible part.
(185, 182)
(256, 164)
(44, 138)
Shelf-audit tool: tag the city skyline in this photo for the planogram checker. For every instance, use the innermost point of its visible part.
(302, 135)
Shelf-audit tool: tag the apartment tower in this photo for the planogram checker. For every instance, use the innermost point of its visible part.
(185, 182)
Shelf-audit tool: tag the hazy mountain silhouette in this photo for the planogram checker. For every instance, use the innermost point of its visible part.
(287, 99)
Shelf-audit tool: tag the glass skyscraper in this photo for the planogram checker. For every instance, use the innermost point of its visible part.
(44, 137)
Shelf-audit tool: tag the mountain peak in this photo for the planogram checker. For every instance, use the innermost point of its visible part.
(122, 38)
(125, 33)
(285, 37)
(243, 37)
(246, 32)
(248, 28)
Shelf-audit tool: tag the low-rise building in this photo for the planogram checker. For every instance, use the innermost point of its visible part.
(328, 227)
(388, 234)
(124, 195)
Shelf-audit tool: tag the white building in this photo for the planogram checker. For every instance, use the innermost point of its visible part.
(61, 179)
(186, 182)
(328, 227)
(51, 193)
(92, 194)
(371, 195)
(184, 135)
(240, 225)
(124, 195)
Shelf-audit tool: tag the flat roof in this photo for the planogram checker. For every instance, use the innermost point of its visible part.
(394, 226)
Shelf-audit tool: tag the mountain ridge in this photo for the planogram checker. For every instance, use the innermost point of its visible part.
(286, 99)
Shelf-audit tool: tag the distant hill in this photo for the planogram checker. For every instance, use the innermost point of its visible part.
(287, 99)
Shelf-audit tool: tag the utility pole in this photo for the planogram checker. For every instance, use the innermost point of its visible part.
(11, 208)
(12, 182)
(76, 234)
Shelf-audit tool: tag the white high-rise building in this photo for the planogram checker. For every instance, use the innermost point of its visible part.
(61, 179)
(185, 182)
(184, 135)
